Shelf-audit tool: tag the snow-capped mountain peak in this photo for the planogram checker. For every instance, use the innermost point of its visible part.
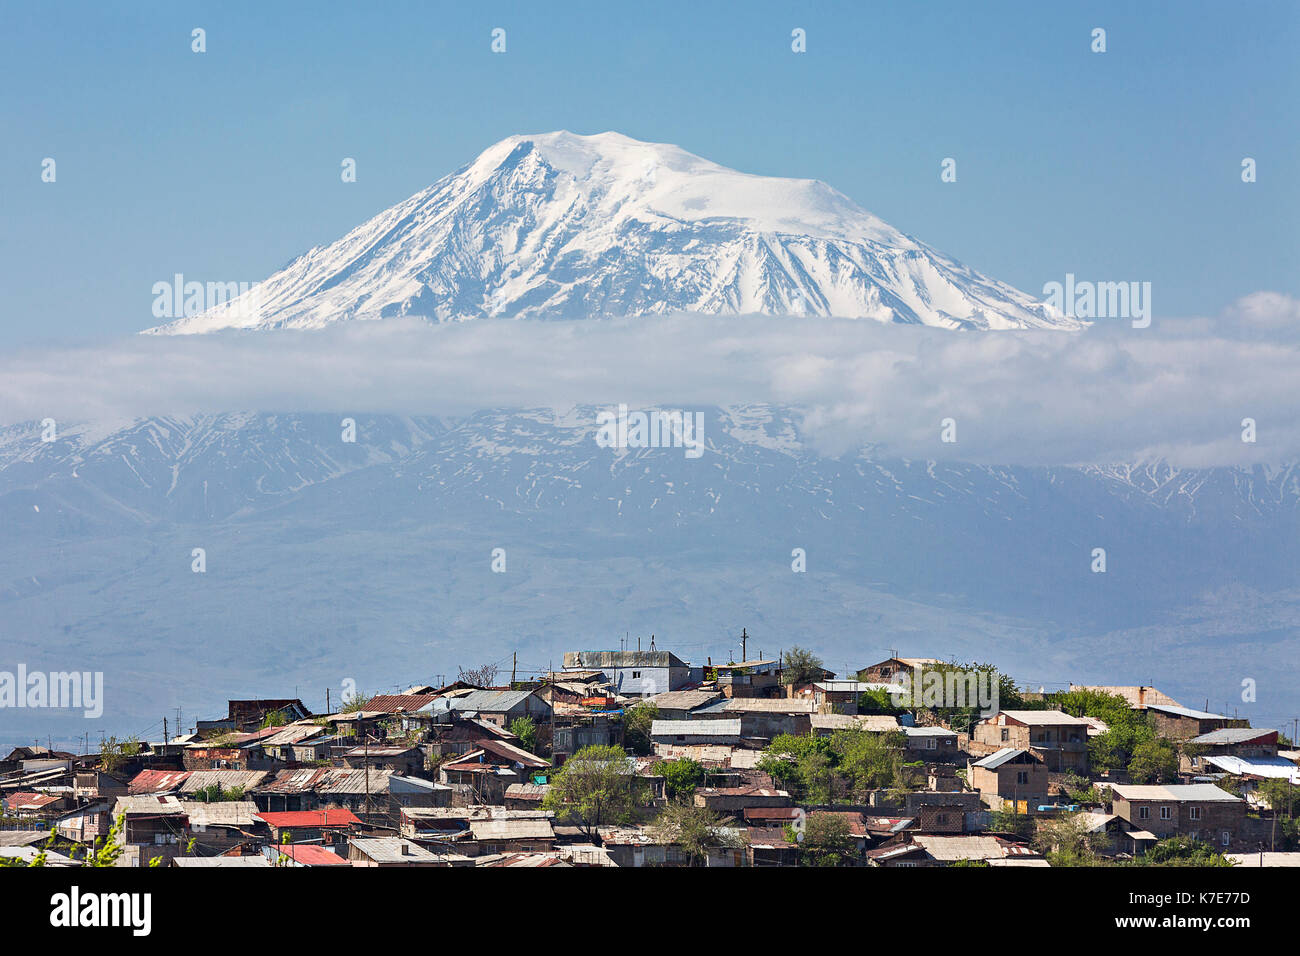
(559, 225)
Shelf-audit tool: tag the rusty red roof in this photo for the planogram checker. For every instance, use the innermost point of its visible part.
(329, 817)
(309, 854)
(29, 800)
(392, 703)
(157, 781)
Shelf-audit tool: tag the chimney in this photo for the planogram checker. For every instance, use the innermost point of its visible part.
(405, 848)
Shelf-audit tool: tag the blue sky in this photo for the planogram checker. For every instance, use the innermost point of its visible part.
(1123, 165)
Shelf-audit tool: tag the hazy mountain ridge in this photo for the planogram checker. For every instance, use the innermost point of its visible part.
(328, 560)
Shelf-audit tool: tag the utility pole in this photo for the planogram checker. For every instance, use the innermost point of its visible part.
(366, 760)
(166, 739)
(327, 701)
(744, 644)
(514, 663)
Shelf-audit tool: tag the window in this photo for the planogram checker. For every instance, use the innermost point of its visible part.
(1144, 813)
(1227, 837)
(1006, 734)
(636, 675)
(1194, 813)
(1022, 777)
(929, 743)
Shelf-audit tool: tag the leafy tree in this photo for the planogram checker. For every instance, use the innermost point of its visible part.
(525, 728)
(1019, 825)
(1066, 841)
(213, 793)
(801, 666)
(790, 759)
(681, 777)
(822, 769)
(871, 761)
(827, 840)
(596, 787)
(1080, 789)
(105, 854)
(878, 701)
(113, 753)
(1154, 760)
(1182, 851)
(355, 703)
(276, 718)
(695, 829)
(1280, 794)
(637, 720)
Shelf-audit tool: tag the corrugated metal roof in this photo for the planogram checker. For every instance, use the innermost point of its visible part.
(952, 848)
(529, 860)
(1200, 792)
(1038, 718)
(392, 703)
(308, 854)
(508, 751)
(156, 781)
(1232, 735)
(999, 757)
(928, 732)
(152, 805)
(536, 829)
(491, 701)
(759, 705)
(873, 723)
(695, 728)
(684, 699)
(329, 817)
(1187, 712)
(327, 780)
(226, 779)
(527, 791)
(390, 850)
(222, 862)
(223, 813)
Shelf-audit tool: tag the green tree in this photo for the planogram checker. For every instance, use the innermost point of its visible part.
(827, 840)
(694, 829)
(355, 703)
(1019, 825)
(799, 762)
(637, 720)
(1066, 840)
(681, 776)
(525, 728)
(596, 787)
(801, 666)
(213, 793)
(113, 753)
(1182, 851)
(1154, 761)
(871, 761)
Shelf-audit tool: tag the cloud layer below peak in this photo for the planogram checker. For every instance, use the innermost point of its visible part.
(1178, 390)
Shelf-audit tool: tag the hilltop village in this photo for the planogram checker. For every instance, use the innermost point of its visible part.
(629, 758)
